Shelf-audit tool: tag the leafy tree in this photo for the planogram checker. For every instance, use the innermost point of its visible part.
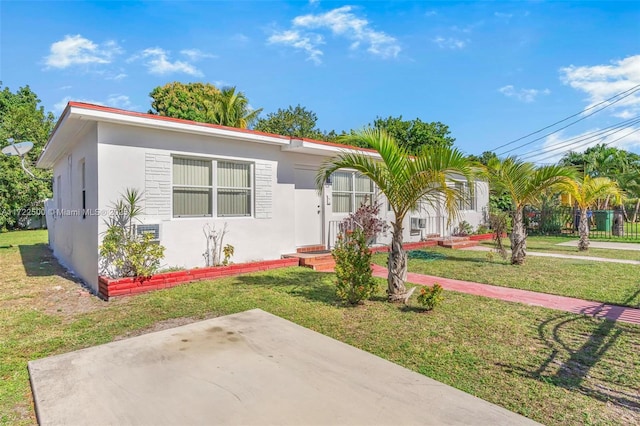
(23, 119)
(484, 158)
(191, 101)
(406, 180)
(586, 191)
(414, 134)
(602, 160)
(298, 122)
(524, 183)
(203, 102)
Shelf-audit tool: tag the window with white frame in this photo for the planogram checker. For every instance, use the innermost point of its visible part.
(350, 190)
(234, 189)
(468, 202)
(197, 194)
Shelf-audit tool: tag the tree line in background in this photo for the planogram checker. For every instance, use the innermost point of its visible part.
(22, 118)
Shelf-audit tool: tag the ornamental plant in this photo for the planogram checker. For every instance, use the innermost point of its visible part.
(355, 281)
(430, 297)
(367, 219)
(123, 252)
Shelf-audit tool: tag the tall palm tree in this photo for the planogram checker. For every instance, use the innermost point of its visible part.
(231, 108)
(524, 183)
(586, 191)
(630, 183)
(406, 181)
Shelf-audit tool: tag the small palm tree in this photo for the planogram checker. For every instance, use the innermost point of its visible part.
(406, 181)
(231, 108)
(586, 192)
(524, 183)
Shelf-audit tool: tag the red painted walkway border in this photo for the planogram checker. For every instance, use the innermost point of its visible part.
(562, 303)
(109, 288)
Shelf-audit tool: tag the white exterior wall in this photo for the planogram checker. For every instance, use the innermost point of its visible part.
(74, 240)
(133, 157)
(119, 156)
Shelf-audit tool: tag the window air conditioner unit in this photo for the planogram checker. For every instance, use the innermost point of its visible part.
(153, 229)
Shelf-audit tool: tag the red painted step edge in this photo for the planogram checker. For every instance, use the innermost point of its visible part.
(482, 237)
(109, 288)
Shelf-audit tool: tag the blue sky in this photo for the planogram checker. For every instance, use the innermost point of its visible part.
(491, 71)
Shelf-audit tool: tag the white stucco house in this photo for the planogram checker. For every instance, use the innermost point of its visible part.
(193, 174)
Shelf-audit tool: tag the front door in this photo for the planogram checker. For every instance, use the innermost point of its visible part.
(308, 208)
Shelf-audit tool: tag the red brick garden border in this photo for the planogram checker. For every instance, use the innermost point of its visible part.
(109, 288)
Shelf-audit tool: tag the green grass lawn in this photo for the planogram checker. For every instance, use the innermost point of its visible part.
(550, 245)
(613, 283)
(554, 367)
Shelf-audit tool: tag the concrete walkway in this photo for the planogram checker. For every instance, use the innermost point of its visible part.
(561, 303)
(250, 368)
(565, 256)
(605, 245)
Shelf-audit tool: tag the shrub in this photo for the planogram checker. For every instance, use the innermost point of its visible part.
(367, 219)
(124, 253)
(482, 229)
(353, 267)
(228, 251)
(463, 229)
(430, 297)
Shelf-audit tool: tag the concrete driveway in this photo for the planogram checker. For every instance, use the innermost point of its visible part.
(249, 368)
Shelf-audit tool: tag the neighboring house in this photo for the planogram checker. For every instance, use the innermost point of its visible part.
(193, 174)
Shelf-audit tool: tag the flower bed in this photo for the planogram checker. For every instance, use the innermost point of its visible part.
(109, 287)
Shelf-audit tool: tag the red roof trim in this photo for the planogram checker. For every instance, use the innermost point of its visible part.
(337, 145)
(207, 125)
(168, 119)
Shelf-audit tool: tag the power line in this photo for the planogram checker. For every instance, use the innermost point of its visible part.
(567, 144)
(625, 93)
(605, 144)
(568, 125)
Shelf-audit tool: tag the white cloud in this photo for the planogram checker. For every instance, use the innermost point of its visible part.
(114, 100)
(524, 95)
(339, 22)
(196, 54)
(430, 13)
(449, 43)
(308, 43)
(117, 77)
(64, 87)
(77, 50)
(601, 82)
(157, 62)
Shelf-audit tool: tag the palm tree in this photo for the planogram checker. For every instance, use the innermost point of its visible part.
(524, 183)
(586, 191)
(630, 183)
(231, 108)
(406, 180)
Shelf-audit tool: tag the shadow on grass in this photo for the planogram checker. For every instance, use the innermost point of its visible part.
(299, 282)
(573, 353)
(38, 261)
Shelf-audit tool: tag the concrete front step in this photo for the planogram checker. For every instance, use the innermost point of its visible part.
(311, 248)
(457, 243)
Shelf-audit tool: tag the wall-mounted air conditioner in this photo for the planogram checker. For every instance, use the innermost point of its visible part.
(153, 229)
